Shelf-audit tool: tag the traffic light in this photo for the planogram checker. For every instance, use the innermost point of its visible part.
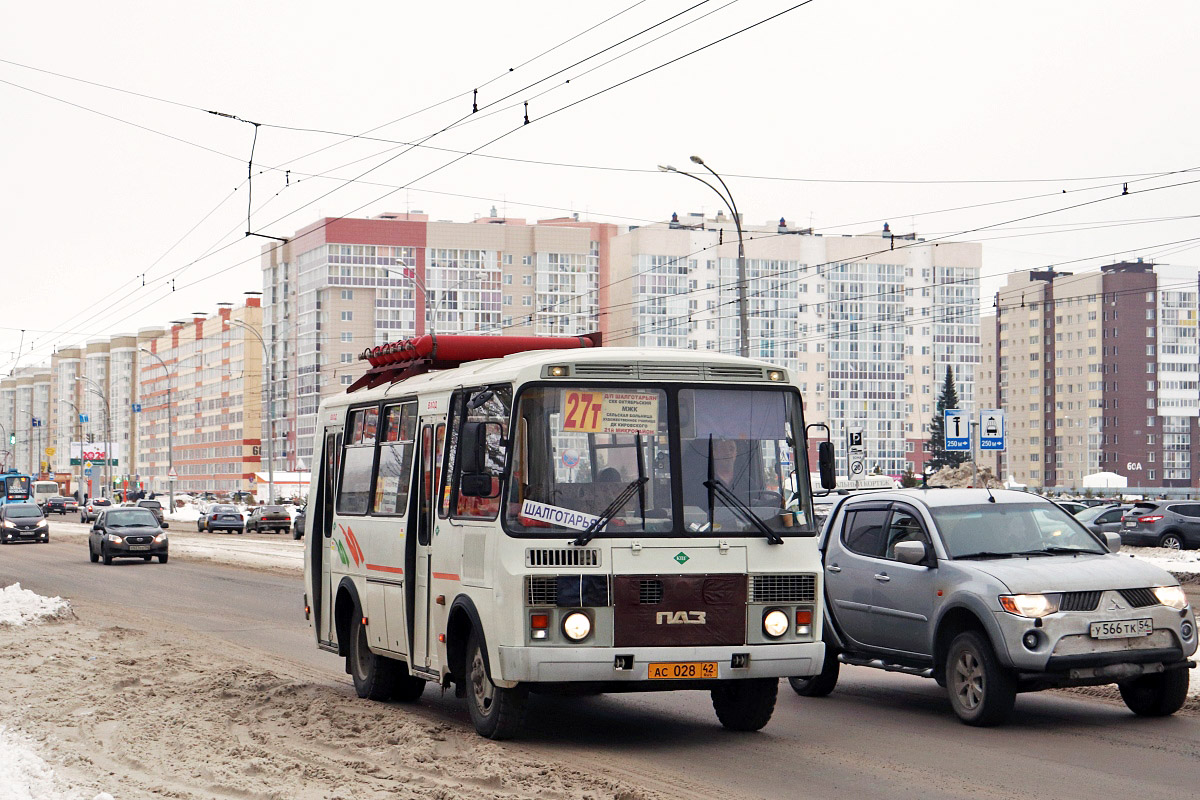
(12, 438)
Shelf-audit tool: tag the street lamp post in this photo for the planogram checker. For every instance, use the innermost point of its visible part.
(95, 389)
(433, 305)
(727, 199)
(4, 438)
(79, 436)
(270, 371)
(170, 429)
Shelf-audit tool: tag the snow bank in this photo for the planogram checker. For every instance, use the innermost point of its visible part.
(21, 607)
(185, 514)
(25, 776)
(1177, 561)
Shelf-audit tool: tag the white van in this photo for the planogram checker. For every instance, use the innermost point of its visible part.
(43, 491)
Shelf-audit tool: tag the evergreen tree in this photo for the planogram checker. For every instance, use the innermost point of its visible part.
(941, 457)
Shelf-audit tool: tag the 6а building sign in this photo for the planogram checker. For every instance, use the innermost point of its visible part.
(957, 429)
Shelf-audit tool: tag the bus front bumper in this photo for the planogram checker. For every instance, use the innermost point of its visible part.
(632, 664)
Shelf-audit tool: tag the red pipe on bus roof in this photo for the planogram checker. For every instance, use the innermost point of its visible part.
(462, 348)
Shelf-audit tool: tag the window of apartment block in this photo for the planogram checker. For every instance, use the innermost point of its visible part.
(527, 260)
(506, 322)
(347, 294)
(347, 336)
(508, 259)
(1150, 474)
(347, 380)
(527, 301)
(347, 316)
(526, 280)
(347, 358)
(1149, 334)
(508, 279)
(508, 299)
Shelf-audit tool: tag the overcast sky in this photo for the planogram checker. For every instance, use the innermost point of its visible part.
(839, 114)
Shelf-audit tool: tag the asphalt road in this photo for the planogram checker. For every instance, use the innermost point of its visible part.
(879, 734)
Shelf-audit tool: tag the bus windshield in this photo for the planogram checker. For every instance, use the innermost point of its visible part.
(646, 461)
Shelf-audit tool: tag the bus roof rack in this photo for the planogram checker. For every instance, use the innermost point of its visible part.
(404, 358)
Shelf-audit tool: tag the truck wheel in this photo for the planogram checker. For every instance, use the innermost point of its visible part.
(374, 676)
(1171, 540)
(982, 692)
(497, 713)
(821, 684)
(1156, 695)
(746, 704)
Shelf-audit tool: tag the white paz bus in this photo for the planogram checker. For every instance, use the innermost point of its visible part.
(511, 515)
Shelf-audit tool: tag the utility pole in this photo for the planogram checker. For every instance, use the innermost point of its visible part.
(269, 372)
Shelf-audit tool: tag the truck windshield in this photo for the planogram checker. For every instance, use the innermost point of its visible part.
(998, 530)
(577, 449)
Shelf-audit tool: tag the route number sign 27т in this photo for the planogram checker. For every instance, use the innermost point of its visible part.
(609, 412)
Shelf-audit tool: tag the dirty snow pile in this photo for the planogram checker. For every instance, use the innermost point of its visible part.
(1176, 561)
(964, 476)
(21, 607)
(23, 773)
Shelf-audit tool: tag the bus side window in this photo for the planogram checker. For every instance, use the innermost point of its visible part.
(358, 460)
(395, 459)
(490, 405)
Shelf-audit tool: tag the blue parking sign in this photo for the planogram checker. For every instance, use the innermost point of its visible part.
(957, 429)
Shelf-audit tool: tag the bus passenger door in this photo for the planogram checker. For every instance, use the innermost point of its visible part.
(321, 533)
(424, 654)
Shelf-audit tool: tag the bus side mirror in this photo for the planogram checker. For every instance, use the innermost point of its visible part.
(474, 448)
(825, 463)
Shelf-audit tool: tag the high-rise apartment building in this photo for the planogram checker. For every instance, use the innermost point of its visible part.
(867, 324)
(1098, 372)
(340, 286)
(201, 408)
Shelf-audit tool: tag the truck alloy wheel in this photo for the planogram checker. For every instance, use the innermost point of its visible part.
(981, 691)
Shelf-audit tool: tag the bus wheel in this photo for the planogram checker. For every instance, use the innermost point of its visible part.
(374, 676)
(498, 713)
(408, 688)
(745, 704)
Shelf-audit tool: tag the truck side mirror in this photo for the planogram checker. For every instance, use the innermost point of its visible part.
(909, 552)
(825, 463)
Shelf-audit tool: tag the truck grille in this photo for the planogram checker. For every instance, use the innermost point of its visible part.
(1079, 601)
(1139, 598)
(783, 588)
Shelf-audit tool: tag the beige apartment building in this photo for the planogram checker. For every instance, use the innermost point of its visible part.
(1097, 372)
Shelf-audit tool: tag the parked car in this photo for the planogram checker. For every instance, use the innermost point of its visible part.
(1071, 506)
(1173, 524)
(89, 510)
(269, 519)
(298, 523)
(61, 505)
(127, 532)
(992, 593)
(23, 522)
(222, 518)
(1102, 519)
(155, 507)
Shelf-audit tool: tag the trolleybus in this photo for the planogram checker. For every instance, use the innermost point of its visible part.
(15, 487)
(508, 515)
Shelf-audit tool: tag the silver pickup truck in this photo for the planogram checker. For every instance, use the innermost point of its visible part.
(992, 593)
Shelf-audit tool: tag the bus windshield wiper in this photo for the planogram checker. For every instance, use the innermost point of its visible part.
(717, 489)
(613, 509)
(620, 500)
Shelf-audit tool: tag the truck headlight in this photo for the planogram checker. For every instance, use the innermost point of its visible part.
(775, 623)
(1172, 596)
(1030, 605)
(576, 626)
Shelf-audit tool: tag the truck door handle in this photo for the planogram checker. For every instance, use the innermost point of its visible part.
(834, 568)
(882, 577)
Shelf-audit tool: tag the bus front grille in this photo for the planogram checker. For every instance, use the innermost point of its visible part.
(561, 557)
(783, 588)
(541, 590)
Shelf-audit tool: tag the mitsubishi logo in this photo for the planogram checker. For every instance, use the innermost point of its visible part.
(1115, 606)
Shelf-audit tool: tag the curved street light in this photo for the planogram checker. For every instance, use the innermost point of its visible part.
(170, 428)
(410, 272)
(95, 389)
(270, 370)
(727, 199)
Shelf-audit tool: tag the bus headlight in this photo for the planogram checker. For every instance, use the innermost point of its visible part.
(576, 626)
(775, 623)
